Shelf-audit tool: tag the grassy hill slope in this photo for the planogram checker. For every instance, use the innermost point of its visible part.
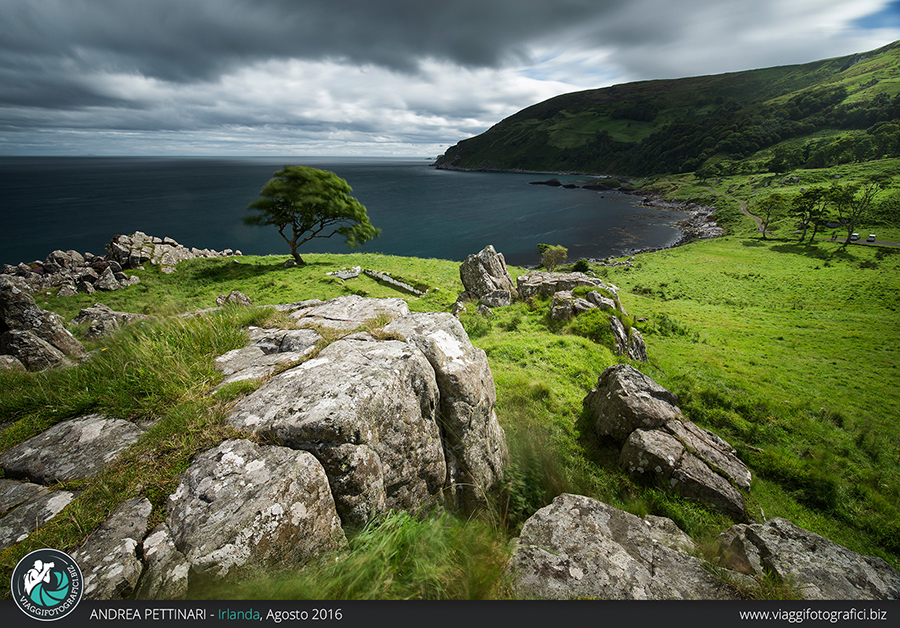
(816, 114)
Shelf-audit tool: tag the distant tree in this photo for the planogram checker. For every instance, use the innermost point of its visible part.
(552, 255)
(771, 206)
(306, 203)
(856, 200)
(809, 207)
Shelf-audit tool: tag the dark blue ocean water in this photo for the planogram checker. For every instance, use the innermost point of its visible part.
(79, 203)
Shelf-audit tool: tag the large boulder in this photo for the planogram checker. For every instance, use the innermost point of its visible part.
(19, 313)
(661, 446)
(74, 449)
(108, 558)
(578, 547)
(625, 399)
(486, 272)
(243, 505)
(378, 397)
(818, 568)
(474, 442)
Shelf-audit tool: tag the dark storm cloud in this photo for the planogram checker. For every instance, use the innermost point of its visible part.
(402, 69)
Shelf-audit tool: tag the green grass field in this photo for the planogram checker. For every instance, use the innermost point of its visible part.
(787, 350)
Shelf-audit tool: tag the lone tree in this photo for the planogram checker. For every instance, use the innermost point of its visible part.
(313, 204)
(552, 255)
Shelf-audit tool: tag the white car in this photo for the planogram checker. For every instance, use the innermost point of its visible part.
(871, 238)
(854, 236)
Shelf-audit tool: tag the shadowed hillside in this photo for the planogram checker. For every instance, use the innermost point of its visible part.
(814, 115)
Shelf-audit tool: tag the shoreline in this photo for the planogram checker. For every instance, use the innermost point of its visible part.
(699, 225)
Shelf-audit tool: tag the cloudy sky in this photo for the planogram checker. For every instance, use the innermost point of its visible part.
(367, 77)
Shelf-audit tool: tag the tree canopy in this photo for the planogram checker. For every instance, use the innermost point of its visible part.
(312, 203)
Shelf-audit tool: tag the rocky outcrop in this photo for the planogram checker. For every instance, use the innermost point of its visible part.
(404, 420)
(486, 272)
(578, 547)
(818, 568)
(137, 249)
(103, 320)
(243, 505)
(547, 284)
(108, 558)
(625, 399)
(24, 507)
(35, 337)
(75, 449)
(380, 398)
(661, 446)
(474, 442)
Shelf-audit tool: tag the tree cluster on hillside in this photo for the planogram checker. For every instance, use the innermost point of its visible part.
(815, 207)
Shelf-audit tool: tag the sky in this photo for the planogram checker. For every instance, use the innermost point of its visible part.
(367, 77)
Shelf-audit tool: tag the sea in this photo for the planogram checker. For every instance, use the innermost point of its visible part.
(80, 203)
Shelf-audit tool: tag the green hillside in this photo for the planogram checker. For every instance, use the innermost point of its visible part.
(812, 115)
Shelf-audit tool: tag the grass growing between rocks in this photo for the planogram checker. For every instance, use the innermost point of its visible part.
(399, 557)
(789, 352)
(158, 374)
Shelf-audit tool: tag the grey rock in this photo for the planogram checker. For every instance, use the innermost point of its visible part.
(458, 308)
(353, 273)
(486, 272)
(11, 363)
(107, 281)
(85, 287)
(637, 349)
(67, 290)
(349, 312)
(234, 297)
(578, 547)
(242, 505)
(546, 284)
(713, 450)
(562, 307)
(694, 479)
(620, 335)
(25, 507)
(651, 452)
(497, 298)
(74, 449)
(18, 312)
(359, 392)
(167, 573)
(625, 399)
(484, 310)
(108, 558)
(820, 569)
(604, 303)
(33, 352)
(103, 320)
(474, 442)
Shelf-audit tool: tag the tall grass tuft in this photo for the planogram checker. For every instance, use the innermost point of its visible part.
(398, 557)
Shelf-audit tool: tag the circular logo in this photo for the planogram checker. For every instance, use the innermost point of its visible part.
(47, 584)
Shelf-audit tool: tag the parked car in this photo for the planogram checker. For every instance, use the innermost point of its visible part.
(871, 238)
(855, 236)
